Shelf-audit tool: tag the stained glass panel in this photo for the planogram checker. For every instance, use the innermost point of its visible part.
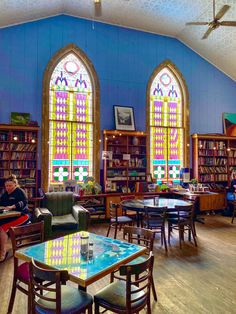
(71, 122)
(166, 122)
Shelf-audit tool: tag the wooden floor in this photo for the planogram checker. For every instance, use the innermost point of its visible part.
(190, 281)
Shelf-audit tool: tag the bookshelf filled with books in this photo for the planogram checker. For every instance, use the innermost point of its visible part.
(19, 156)
(124, 154)
(214, 158)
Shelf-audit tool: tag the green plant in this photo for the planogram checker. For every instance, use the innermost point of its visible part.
(194, 181)
(163, 187)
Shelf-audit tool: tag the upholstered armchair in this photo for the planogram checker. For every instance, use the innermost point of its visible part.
(61, 215)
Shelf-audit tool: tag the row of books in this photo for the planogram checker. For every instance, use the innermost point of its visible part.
(212, 152)
(213, 177)
(22, 156)
(204, 169)
(23, 147)
(212, 144)
(212, 161)
(26, 164)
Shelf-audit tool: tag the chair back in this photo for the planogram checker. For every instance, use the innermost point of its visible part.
(26, 235)
(184, 213)
(113, 211)
(141, 236)
(138, 283)
(154, 217)
(59, 203)
(46, 296)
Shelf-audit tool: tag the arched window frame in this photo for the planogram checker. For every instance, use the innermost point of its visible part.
(185, 111)
(61, 54)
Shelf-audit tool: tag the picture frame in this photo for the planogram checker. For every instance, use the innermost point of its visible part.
(149, 178)
(229, 123)
(20, 118)
(124, 118)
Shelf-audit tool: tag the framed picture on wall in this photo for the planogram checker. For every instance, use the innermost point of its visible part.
(229, 123)
(124, 118)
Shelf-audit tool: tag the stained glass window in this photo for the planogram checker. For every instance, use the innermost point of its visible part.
(70, 122)
(166, 127)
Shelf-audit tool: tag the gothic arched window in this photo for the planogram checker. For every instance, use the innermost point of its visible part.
(70, 126)
(167, 123)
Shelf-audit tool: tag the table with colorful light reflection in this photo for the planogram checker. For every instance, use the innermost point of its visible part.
(64, 253)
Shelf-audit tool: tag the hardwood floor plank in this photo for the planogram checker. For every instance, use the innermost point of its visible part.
(194, 280)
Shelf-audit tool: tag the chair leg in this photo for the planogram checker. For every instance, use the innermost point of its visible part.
(233, 216)
(12, 298)
(108, 231)
(180, 237)
(115, 234)
(90, 309)
(29, 303)
(96, 308)
(163, 235)
(153, 289)
(194, 238)
(168, 232)
(194, 229)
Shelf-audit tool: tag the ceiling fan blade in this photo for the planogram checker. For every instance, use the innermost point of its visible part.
(196, 23)
(228, 23)
(97, 7)
(207, 33)
(222, 12)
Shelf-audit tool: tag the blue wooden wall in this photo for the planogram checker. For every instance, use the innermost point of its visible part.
(124, 60)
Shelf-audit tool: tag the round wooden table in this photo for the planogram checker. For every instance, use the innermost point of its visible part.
(139, 205)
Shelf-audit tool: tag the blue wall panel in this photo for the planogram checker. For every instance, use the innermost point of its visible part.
(123, 58)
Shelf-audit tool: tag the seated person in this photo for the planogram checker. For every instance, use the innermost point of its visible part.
(14, 198)
(233, 182)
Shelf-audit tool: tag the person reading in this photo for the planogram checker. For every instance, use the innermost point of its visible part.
(14, 198)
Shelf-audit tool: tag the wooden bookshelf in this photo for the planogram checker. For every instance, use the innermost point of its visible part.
(19, 156)
(214, 157)
(126, 160)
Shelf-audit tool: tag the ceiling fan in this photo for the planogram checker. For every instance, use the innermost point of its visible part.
(215, 23)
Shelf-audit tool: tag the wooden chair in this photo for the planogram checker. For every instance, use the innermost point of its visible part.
(56, 297)
(125, 211)
(194, 200)
(143, 237)
(130, 295)
(154, 220)
(182, 221)
(22, 236)
(115, 220)
(234, 211)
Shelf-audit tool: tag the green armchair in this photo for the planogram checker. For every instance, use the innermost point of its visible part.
(61, 215)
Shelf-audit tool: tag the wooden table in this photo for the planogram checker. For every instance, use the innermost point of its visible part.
(9, 214)
(139, 205)
(64, 253)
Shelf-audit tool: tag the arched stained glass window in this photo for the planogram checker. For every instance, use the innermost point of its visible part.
(168, 124)
(69, 114)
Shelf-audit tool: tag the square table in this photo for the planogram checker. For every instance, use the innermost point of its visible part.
(9, 214)
(64, 253)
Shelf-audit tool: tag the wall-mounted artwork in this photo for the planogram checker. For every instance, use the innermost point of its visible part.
(20, 118)
(124, 118)
(229, 123)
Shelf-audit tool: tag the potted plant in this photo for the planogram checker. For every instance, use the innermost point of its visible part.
(164, 187)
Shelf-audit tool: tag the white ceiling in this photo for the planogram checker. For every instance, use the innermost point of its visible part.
(167, 17)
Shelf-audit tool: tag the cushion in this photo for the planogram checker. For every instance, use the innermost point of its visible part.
(122, 219)
(73, 300)
(65, 221)
(23, 272)
(115, 294)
